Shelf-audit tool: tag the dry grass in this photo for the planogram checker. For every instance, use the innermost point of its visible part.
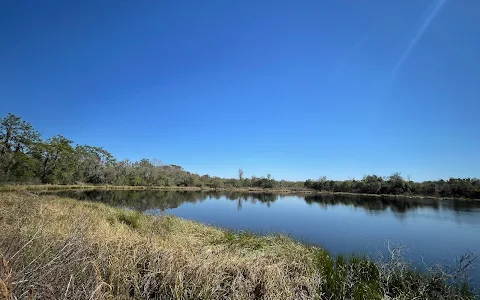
(54, 187)
(57, 248)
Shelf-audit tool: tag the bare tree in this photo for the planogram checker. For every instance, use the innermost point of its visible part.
(240, 174)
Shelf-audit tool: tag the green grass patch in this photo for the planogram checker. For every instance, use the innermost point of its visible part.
(129, 217)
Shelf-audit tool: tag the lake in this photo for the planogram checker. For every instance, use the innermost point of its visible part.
(432, 231)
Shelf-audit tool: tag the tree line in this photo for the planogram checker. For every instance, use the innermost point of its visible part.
(397, 185)
(27, 158)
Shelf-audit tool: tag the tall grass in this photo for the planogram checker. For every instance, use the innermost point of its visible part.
(58, 248)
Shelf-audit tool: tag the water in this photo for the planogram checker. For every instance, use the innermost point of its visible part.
(433, 231)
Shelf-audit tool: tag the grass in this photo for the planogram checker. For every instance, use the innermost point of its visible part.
(53, 187)
(59, 248)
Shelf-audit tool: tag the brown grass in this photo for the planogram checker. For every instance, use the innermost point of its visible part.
(57, 248)
(54, 247)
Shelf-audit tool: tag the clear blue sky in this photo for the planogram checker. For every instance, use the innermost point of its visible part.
(297, 89)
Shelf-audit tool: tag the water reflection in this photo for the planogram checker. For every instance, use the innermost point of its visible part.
(373, 204)
(163, 200)
(433, 230)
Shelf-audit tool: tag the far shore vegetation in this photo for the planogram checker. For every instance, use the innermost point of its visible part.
(27, 159)
(53, 247)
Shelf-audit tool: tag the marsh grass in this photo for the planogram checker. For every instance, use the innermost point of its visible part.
(58, 248)
(129, 217)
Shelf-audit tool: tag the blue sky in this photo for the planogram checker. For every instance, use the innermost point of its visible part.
(297, 89)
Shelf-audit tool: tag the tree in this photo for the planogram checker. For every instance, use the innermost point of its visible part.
(309, 183)
(17, 138)
(92, 163)
(16, 135)
(372, 184)
(240, 174)
(396, 184)
(57, 160)
(216, 182)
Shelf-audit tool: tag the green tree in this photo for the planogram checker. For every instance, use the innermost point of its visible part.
(57, 163)
(17, 139)
(372, 184)
(396, 185)
(92, 163)
(216, 182)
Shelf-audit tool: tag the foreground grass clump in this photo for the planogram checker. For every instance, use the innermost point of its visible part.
(57, 248)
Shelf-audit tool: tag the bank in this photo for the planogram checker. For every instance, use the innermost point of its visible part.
(280, 191)
(53, 247)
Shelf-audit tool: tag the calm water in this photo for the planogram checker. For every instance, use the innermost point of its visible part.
(435, 230)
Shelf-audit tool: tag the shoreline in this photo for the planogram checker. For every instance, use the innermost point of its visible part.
(63, 247)
(279, 191)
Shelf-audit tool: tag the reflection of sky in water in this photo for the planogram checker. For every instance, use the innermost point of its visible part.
(435, 235)
(438, 231)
